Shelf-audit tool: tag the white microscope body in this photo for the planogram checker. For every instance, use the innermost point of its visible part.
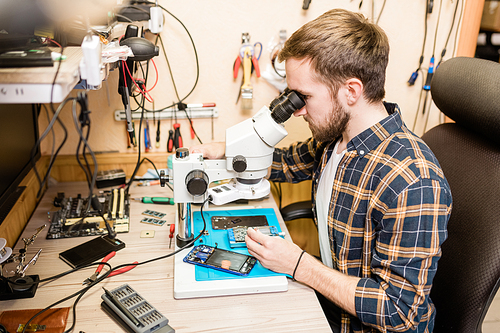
(249, 154)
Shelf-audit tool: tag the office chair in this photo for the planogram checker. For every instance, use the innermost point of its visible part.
(297, 210)
(467, 90)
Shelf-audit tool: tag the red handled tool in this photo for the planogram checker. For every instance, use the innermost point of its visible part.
(170, 142)
(171, 236)
(94, 276)
(177, 136)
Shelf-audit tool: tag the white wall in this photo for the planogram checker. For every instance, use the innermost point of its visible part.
(216, 27)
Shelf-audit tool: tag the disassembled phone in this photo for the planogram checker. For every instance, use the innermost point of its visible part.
(225, 222)
(91, 251)
(237, 235)
(222, 260)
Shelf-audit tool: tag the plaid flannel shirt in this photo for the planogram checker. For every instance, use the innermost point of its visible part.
(387, 220)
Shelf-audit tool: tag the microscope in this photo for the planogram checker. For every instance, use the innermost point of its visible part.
(249, 154)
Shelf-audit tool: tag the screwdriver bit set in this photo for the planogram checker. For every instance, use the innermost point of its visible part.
(149, 318)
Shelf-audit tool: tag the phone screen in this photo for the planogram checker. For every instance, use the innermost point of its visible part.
(223, 260)
(226, 222)
(91, 251)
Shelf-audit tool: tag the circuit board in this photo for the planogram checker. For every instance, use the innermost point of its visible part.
(71, 220)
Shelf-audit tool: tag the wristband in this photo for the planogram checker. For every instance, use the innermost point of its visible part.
(296, 266)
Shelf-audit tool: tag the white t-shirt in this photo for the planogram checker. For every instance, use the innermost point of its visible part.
(323, 197)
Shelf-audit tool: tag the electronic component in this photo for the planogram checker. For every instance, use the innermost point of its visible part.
(109, 178)
(154, 213)
(152, 220)
(237, 235)
(72, 221)
(134, 311)
(221, 260)
(225, 222)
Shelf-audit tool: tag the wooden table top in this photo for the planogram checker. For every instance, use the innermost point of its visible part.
(292, 311)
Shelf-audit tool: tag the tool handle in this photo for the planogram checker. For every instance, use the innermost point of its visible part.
(122, 270)
(157, 145)
(255, 63)
(106, 258)
(170, 142)
(158, 200)
(236, 66)
(177, 136)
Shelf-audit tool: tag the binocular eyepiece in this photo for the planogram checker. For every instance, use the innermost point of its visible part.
(283, 106)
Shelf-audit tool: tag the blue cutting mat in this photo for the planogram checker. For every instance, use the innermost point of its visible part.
(220, 237)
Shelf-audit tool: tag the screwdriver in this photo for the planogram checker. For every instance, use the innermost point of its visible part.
(172, 229)
(177, 136)
(170, 143)
(156, 200)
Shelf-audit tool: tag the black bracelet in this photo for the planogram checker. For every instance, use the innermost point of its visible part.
(296, 266)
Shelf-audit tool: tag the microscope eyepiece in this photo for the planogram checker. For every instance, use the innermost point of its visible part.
(285, 105)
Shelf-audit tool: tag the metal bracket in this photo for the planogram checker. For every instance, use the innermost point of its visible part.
(202, 112)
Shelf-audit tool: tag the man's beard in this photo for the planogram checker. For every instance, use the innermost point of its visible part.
(334, 126)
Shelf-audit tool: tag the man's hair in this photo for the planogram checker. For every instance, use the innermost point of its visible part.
(341, 45)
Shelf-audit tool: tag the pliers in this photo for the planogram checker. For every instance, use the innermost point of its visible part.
(94, 276)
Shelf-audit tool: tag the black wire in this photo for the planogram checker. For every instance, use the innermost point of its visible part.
(381, 11)
(449, 33)
(81, 292)
(195, 54)
(127, 188)
(421, 59)
(94, 175)
(37, 146)
(437, 28)
(419, 101)
(202, 232)
(175, 88)
(154, 166)
(86, 168)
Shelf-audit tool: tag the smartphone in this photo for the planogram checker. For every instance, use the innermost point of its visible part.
(222, 260)
(91, 251)
(225, 222)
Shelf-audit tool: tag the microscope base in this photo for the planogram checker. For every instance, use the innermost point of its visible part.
(186, 285)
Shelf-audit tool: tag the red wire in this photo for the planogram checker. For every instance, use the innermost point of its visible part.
(156, 81)
(150, 99)
(124, 76)
(53, 41)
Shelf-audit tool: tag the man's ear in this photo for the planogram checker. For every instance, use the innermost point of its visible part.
(354, 90)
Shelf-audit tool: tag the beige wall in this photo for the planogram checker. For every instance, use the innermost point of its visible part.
(216, 28)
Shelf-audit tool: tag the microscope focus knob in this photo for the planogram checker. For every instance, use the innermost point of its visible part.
(181, 153)
(239, 163)
(163, 178)
(197, 182)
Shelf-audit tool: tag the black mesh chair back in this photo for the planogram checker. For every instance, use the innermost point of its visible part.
(467, 90)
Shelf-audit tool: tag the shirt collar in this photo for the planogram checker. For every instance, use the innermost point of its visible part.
(373, 136)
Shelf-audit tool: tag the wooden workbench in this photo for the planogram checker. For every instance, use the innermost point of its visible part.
(292, 311)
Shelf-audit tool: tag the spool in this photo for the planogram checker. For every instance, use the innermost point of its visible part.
(5, 252)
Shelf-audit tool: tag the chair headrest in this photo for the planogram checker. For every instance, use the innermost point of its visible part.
(467, 90)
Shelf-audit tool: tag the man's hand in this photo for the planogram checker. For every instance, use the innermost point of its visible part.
(212, 151)
(274, 253)
(282, 256)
